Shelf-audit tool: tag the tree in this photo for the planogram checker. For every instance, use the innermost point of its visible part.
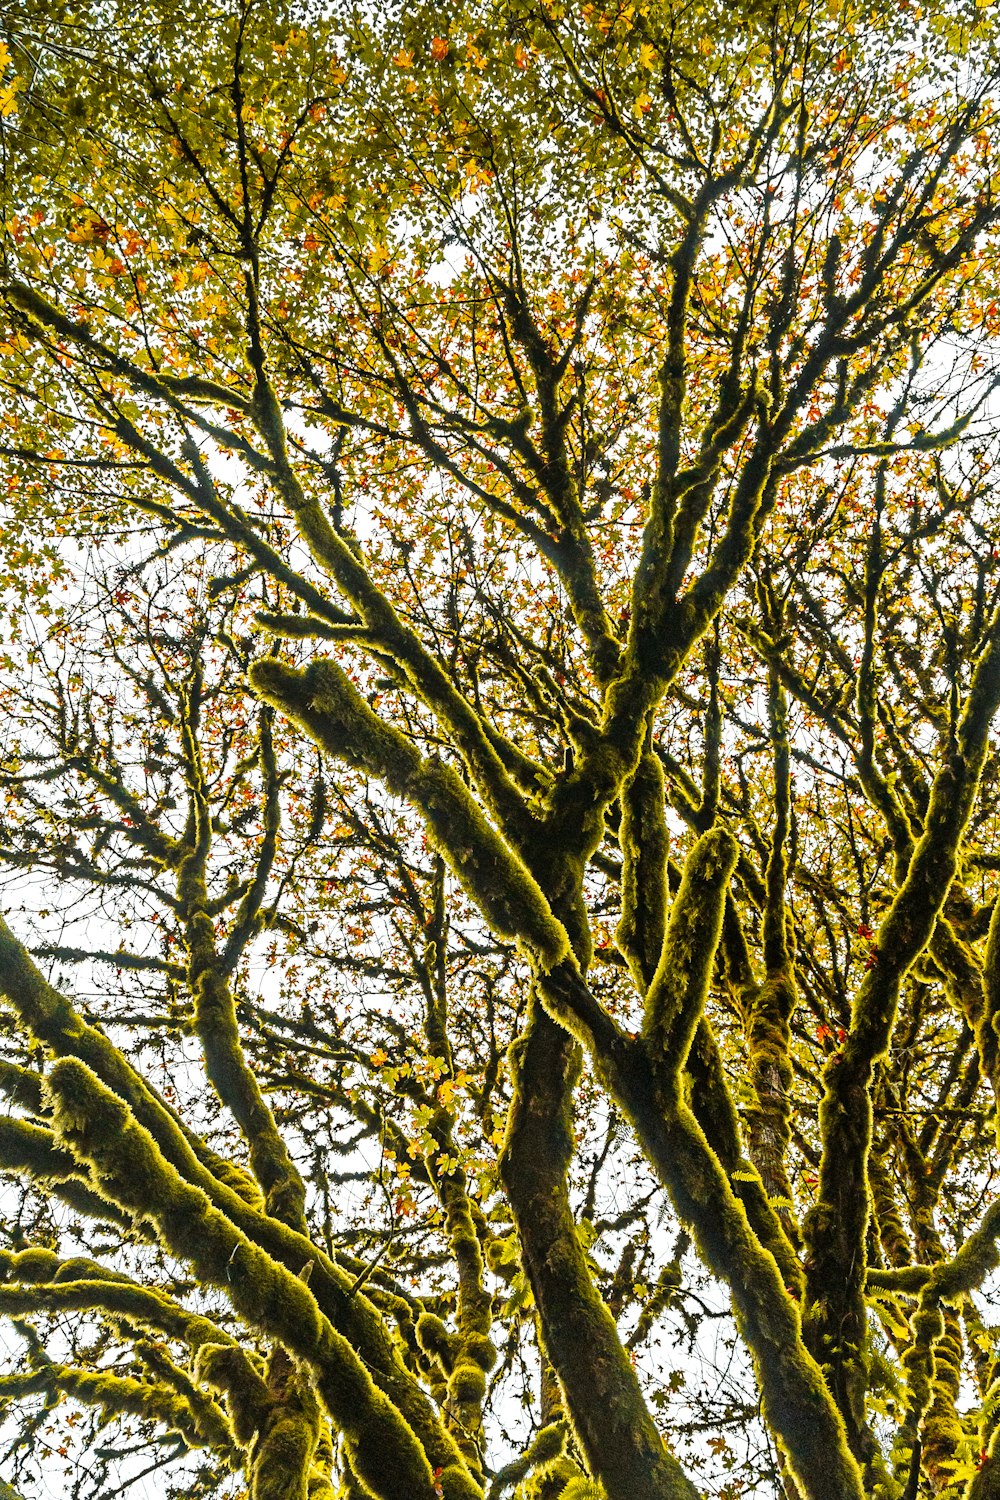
(502, 567)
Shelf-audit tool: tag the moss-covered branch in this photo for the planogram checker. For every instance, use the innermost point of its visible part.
(773, 1003)
(325, 703)
(837, 1226)
(677, 994)
(37, 1279)
(99, 1128)
(34, 1151)
(195, 1418)
(644, 844)
(470, 1354)
(208, 973)
(603, 1396)
(51, 1018)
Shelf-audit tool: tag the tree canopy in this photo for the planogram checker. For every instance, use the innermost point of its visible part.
(500, 975)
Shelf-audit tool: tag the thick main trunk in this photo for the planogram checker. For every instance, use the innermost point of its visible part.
(619, 1439)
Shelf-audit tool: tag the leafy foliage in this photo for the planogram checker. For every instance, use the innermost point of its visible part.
(502, 578)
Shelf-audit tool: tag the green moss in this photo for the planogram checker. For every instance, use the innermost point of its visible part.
(479, 1347)
(324, 702)
(434, 1338)
(455, 1484)
(98, 1127)
(892, 1234)
(467, 1384)
(231, 1371)
(283, 1458)
(837, 1255)
(198, 1422)
(36, 1264)
(80, 1284)
(644, 844)
(320, 1483)
(214, 1009)
(541, 1453)
(926, 1325)
(52, 1020)
(603, 1398)
(679, 990)
(33, 1151)
(22, 1086)
(942, 1434)
(50, 1017)
(797, 1400)
(768, 1118)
